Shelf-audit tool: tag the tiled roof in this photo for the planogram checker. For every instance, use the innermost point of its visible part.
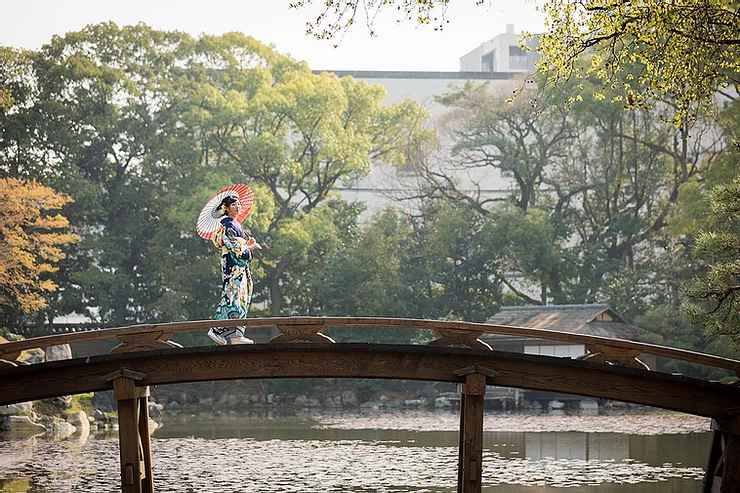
(592, 319)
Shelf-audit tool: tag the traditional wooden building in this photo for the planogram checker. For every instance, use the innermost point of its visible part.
(592, 319)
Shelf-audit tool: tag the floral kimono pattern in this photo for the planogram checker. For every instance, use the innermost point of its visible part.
(237, 284)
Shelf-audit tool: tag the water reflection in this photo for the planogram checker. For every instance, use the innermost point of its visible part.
(574, 459)
(226, 454)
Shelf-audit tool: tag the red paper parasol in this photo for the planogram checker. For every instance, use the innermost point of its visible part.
(209, 218)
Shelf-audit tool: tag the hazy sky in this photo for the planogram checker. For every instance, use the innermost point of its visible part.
(31, 23)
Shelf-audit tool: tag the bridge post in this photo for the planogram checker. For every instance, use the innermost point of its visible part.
(470, 465)
(731, 473)
(723, 468)
(133, 431)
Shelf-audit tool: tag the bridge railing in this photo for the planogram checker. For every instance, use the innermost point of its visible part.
(56, 329)
(314, 329)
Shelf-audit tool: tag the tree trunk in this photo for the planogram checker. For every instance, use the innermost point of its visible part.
(276, 295)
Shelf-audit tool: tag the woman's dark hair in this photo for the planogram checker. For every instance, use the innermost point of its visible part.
(228, 200)
(225, 202)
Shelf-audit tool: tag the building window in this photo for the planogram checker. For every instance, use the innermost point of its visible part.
(488, 62)
(516, 51)
(522, 60)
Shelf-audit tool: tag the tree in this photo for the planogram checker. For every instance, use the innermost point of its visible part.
(99, 114)
(317, 250)
(435, 265)
(269, 120)
(514, 139)
(593, 187)
(670, 43)
(32, 238)
(364, 279)
(20, 156)
(714, 296)
(337, 17)
(454, 268)
(151, 122)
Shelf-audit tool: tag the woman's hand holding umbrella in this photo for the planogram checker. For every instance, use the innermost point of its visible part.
(253, 245)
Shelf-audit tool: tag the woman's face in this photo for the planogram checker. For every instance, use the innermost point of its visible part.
(232, 209)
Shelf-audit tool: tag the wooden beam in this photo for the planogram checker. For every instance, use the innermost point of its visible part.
(461, 444)
(713, 464)
(476, 369)
(133, 430)
(9, 358)
(723, 468)
(730, 464)
(144, 342)
(471, 407)
(7, 363)
(128, 437)
(125, 388)
(455, 338)
(147, 483)
(411, 362)
(301, 333)
(124, 372)
(612, 355)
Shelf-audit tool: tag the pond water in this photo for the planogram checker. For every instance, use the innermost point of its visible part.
(383, 452)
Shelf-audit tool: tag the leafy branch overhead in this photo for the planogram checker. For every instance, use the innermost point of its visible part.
(683, 50)
(337, 16)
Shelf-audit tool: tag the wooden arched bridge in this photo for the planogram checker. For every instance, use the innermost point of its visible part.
(146, 355)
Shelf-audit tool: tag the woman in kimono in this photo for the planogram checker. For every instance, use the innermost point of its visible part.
(237, 284)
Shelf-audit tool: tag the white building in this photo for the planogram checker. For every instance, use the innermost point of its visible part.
(498, 63)
(503, 53)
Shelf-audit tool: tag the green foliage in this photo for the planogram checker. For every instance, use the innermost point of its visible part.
(519, 139)
(646, 51)
(15, 485)
(435, 266)
(16, 128)
(607, 200)
(7, 335)
(715, 295)
(310, 247)
(81, 402)
(298, 135)
(595, 187)
(99, 95)
(523, 242)
(460, 256)
(140, 126)
(664, 325)
(364, 278)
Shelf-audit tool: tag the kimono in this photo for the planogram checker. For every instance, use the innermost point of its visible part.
(237, 284)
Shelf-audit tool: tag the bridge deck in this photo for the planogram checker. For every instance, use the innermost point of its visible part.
(311, 329)
(412, 362)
